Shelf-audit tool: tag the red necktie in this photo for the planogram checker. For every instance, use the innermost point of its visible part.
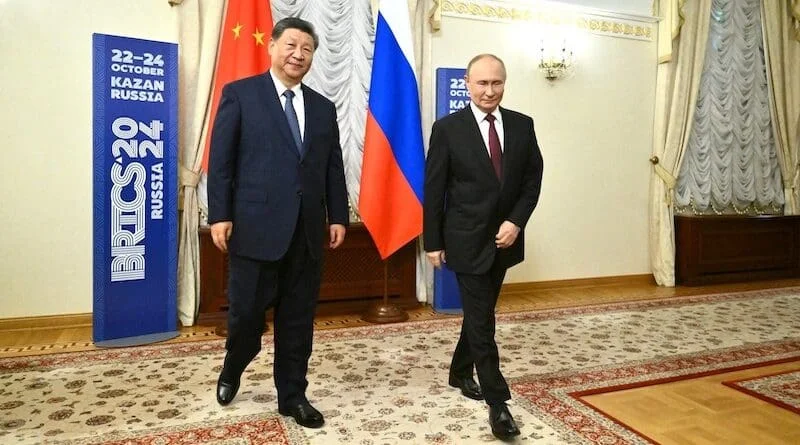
(494, 147)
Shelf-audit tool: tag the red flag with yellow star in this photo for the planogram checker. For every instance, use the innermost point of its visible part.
(242, 50)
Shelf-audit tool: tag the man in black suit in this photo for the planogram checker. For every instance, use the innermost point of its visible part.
(483, 175)
(275, 179)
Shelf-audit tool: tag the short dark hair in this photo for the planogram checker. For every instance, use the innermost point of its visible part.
(294, 23)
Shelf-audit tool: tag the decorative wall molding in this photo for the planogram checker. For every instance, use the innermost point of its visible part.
(616, 28)
(607, 23)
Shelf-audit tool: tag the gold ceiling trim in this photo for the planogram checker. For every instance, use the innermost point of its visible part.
(616, 28)
(605, 24)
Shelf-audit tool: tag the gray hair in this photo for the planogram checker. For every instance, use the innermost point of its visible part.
(486, 56)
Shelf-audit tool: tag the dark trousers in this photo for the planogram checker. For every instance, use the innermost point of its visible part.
(476, 346)
(290, 286)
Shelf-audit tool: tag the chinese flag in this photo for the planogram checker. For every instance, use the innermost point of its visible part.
(242, 50)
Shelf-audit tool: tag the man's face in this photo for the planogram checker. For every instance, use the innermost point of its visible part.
(486, 80)
(291, 55)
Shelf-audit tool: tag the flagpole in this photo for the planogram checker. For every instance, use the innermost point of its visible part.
(385, 312)
(393, 162)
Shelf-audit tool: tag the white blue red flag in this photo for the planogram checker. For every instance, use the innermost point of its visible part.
(393, 168)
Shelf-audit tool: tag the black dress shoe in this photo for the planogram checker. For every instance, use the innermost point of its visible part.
(468, 387)
(503, 425)
(226, 391)
(304, 414)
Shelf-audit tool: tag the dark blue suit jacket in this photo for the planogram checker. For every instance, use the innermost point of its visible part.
(258, 180)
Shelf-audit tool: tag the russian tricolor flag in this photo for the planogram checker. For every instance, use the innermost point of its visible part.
(393, 168)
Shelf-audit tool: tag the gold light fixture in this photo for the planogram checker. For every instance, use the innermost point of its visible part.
(555, 63)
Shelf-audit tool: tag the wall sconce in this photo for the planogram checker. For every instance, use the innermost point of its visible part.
(555, 64)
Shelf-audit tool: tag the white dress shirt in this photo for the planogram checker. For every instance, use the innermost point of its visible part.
(483, 124)
(297, 102)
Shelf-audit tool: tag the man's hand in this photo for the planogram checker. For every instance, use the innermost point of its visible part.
(436, 258)
(221, 233)
(337, 232)
(506, 235)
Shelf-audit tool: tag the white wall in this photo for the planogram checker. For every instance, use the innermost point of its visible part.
(640, 7)
(46, 143)
(595, 132)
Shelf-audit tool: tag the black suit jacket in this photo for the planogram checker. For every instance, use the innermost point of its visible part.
(258, 180)
(465, 202)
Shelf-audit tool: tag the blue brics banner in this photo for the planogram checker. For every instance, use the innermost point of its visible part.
(451, 91)
(451, 96)
(446, 297)
(135, 95)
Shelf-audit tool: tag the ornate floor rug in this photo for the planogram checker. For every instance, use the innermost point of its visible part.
(388, 384)
(781, 389)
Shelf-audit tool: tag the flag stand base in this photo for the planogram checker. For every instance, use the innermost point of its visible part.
(385, 312)
(221, 329)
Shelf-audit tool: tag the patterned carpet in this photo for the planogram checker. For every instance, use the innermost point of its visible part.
(387, 384)
(782, 389)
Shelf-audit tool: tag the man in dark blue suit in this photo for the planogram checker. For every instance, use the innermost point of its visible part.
(275, 179)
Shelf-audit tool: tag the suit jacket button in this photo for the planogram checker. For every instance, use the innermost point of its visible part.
(299, 193)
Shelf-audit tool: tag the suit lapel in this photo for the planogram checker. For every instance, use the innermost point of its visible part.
(275, 111)
(478, 150)
(508, 139)
(309, 114)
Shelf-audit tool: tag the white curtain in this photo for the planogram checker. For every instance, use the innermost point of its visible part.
(676, 94)
(782, 49)
(669, 27)
(341, 68)
(199, 22)
(731, 165)
(424, 22)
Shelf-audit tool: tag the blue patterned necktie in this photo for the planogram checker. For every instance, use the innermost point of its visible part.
(291, 116)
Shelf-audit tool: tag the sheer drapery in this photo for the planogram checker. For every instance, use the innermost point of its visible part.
(731, 165)
(341, 67)
(783, 73)
(424, 20)
(676, 94)
(199, 22)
